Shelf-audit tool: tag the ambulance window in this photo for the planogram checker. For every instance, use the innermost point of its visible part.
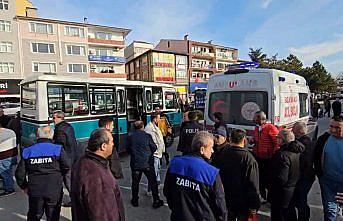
(238, 107)
(304, 109)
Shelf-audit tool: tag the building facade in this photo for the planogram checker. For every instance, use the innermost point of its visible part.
(54, 46)
(136, 48)
(204, 59)
(10, 71)
(159, 66)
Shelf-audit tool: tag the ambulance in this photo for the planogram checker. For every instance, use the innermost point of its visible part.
(240, 93)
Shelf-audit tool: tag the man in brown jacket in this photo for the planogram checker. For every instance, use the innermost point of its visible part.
(95, 193)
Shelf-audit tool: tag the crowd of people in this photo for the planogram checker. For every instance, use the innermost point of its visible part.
(216, 176)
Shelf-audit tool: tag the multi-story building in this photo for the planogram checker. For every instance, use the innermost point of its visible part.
(10, 73)
(54, 46)
(160, 66)
(204, 59)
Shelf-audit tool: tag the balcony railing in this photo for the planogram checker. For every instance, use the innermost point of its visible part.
(107, 42)
(203, 66)
(201, 53)
(106, 58)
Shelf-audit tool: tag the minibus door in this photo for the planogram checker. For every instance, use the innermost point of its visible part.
(120, 127)
(148, 107)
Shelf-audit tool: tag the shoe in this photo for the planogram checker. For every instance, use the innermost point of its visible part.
(157, 204)
(134, 202)
(149, 193)
(68, 204)
(7, 193)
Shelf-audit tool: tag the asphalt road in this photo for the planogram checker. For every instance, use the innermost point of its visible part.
(14, 208)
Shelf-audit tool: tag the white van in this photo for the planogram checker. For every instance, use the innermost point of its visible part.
(240, 93)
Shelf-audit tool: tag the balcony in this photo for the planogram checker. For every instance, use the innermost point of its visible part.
(202, 66)
(114, 43)
(111, 59)
(202, 54)
(121, 76)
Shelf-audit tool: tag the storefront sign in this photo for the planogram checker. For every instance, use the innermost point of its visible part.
(9, 87)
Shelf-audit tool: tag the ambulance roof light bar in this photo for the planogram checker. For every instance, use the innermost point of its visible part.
(241, 67)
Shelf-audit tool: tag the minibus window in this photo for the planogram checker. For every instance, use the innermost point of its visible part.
(28, 96)
(72, 100)
(102, 100)
(121, 101)
(157, 97)
(169, 98)
(148, 99)
(304, 109)
(238, 107)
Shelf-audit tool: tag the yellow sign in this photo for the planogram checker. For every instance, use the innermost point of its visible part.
(163, 67)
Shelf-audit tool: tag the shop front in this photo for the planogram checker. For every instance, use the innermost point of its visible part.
(9, 90)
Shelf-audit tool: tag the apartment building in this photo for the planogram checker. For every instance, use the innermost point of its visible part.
(55, 46)
(10, 73)
(204, 58)
(160, 66)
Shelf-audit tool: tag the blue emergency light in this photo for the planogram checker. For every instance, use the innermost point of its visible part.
(242, 67)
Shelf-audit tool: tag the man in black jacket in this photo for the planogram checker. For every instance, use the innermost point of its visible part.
(141, 148)
(328, 166)
(239, 173)
(285, 174)
(193, 187)
(220, 143)
(44, 164)
(336, 107)
(64, 135)
(307, 174)
(189, 129)
(114, 161)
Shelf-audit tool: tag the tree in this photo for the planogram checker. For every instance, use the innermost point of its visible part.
(317, 77)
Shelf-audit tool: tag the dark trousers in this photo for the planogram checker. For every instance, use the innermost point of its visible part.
(303, 188)
(152, 182)
(283, 214)
(50, 205)
(67, 180)
(327, 111)
(264, 172)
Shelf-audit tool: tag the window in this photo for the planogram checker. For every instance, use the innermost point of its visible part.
(5, 26)
(28, 96)
(104, 35)
(6, 46)
(74, 31)
(121, 101)
(170, 100)
(6, 67)
(77, 68)
(3, 4)
(43, 48)
(72, 100)
(44, 67)
(148, 100)
(98, 68)
(75, 50)
(304, 110)
(41, 28)
(102, 100)
(238, 107)
(157, 99)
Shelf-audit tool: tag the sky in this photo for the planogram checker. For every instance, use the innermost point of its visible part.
(309, 29)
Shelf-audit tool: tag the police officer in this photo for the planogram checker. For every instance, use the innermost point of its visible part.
(44, 164)
(193, 187)
(188, 131)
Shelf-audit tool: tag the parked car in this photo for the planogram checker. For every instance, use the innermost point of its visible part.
(10, 108)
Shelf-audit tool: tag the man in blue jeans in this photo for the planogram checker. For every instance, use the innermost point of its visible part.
(8, 157)
(328, 166)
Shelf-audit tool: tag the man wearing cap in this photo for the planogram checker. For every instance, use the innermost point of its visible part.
(239, 172)
(220, 143)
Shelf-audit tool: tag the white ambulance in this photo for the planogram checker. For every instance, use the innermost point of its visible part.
(240, 93)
